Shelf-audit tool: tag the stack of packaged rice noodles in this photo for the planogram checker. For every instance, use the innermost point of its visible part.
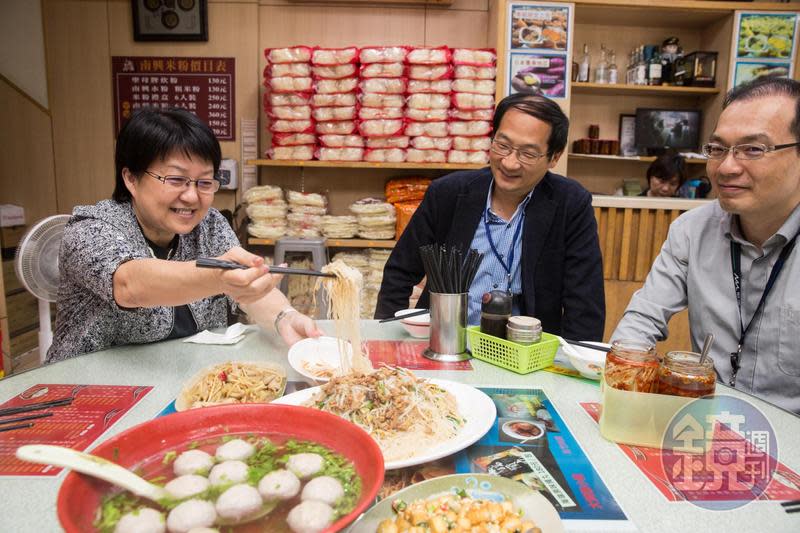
(376, 218)
(300, 289)
(267, 211)
(339, 227)
(305, 214)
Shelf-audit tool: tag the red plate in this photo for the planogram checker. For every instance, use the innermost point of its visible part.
(79, 497)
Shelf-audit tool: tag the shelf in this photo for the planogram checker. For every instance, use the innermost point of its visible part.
(643, 90)
(333, 243)
(361, 164)
(635, 159)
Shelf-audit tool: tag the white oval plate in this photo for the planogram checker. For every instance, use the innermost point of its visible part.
(324, 350)
(474, 406)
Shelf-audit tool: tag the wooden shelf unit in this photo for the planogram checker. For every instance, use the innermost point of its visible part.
(634, 159)
(361, 164)
(333, 243)
(641, 90)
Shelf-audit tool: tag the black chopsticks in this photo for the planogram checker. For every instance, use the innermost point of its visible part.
(407, 315)
(587, 345)
(35, 406)
(18, 426)
(24, 418)
(210, 262)
(792, 506)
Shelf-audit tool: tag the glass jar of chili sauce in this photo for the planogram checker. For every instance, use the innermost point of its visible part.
(632, 366)
(682, 374)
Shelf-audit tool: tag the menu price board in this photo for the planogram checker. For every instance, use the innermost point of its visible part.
(203, 85)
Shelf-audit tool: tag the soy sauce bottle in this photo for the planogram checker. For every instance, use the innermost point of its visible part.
(495, 311)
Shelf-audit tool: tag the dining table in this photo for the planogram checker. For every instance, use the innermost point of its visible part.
(30, 501)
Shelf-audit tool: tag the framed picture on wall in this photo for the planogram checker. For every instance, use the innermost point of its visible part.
(627, 135)
(170, 20)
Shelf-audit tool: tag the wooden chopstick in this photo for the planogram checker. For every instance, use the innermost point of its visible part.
(18, 426)
(35, 406)
(23, 418)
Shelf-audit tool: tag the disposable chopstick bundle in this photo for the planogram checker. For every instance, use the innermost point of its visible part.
(449, 269)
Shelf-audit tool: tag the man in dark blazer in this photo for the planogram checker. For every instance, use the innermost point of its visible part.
(536, 229)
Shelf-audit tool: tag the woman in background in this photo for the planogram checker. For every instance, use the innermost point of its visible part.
(665, 176)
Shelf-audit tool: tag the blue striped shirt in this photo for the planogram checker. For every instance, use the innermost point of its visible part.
(491, 274)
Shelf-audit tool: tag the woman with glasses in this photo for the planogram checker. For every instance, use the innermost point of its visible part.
(127, 264)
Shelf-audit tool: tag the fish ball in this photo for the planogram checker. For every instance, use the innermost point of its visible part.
(229, 472)
(185, 486)
(325, 489)
(144, 520)
(310, 517)
(279, 485)
(235, 450)
(239, 502)
(191, 514)
(305, 465)
(193, 462)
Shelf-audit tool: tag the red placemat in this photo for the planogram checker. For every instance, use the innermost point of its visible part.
(408, 354)
(93, 410)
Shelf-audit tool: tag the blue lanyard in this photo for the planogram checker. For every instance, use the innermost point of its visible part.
(517, 231)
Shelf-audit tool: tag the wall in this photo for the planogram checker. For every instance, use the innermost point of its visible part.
(22, 47)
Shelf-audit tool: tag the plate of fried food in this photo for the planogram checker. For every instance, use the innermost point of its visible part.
(475, 502)
(233, 382)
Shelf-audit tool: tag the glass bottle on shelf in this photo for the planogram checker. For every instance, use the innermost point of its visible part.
(630, 69)
(613, 75)
(601, 70)
(583, 68)
(654, 69)
(640, 76)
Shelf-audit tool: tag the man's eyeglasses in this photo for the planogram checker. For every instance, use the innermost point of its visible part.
(742, 151)
(526, 157)
(181, 183)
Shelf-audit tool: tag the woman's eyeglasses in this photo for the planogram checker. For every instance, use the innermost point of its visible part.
(181, 183)
(742, 151)
(526, 157)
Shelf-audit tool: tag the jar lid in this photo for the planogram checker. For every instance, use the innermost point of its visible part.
(527, 323)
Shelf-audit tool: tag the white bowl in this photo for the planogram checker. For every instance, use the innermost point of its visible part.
(312, 357)
(588, 362)
(417, 326)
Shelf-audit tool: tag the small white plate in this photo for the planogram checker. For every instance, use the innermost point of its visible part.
(315, 353)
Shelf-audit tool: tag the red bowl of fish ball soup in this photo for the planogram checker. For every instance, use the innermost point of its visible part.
(153, 449)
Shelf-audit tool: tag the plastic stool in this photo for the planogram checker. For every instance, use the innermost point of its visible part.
(319, 258)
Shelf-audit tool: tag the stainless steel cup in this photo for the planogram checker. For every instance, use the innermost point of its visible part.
(448, 328)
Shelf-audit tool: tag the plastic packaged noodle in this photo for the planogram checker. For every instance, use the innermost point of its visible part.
(405, 210)
(376, 234)
(429, 56)
(334, 56)
(382, 100)
(432, 143)
(475, 157)
(383, 54)
(405, 189)
(473, 86)
(387, 155)
(344, 85)
(334, 100)
(427, 115)
(339, 141)
(375, 113)
(292, 139)
(429, 101)
(306, 198)
(263, 192)
(304, 220)
(474, 73)
(382, 70)
(267, 230)
(291, 126)
(340, 154)
(289, 85)
(371, 206)
(383, 85)
(395, 141)
(469, 128)
(321, 114)
(474, 114)
(308, 209)
(426, 156)
(337, 127)
(474, 56)
(472, 143)
(304, 152)
(471, 101)
(292, 54)
(430, 72)
(334, 72)
(424, 86)
(294, 70)
(297, 112)
(266, 211)
(284, 99)
(380, 128)
(429, 129)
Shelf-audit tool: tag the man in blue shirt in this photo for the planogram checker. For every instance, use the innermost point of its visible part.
(536, 229)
